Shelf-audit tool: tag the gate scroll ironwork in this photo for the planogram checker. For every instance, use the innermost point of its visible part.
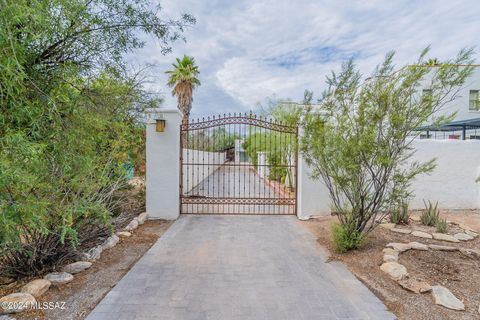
(238, 164)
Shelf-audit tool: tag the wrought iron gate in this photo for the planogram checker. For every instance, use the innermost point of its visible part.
(238, 164)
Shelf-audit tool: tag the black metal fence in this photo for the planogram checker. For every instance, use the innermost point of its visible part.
(457, 132)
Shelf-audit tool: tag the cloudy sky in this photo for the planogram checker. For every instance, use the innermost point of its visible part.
(254, 49)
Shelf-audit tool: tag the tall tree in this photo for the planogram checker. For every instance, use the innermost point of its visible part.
(183, 79)
(70, 118)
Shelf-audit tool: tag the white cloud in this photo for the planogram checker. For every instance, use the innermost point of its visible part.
(249, 50)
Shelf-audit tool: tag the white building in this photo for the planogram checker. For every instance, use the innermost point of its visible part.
(465, 106)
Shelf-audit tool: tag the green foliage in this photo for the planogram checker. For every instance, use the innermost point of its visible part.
(285, 112)
(278, 147)
(214, 140)
(359, 139)
(441, 225)
(346, 240)
(400, 215)
(183, 78)
(431, 215)
(70, 120)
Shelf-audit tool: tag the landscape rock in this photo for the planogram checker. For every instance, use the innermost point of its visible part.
(418, 246)
(390, 251)
(401, 247)
(36, 287)
(395, 270)
(387, 225)
(76, 267)
(123, 234)
(444, 237)
(390, 258)
(16, 302)
(471, 233)
(471, 253)
(59, 278)
(132, 225)
(398, 230)
(415, 285)
(142, 217)
(442, 248)
(445, 298)
(462, 236)
(110, 242)
(422, 234)
(93, 254)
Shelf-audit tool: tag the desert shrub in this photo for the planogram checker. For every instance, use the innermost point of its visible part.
(441, 225)
(400, 214)
(278, 147)
(70, 120)
(358, 139)
(431, 214)
(345, 240)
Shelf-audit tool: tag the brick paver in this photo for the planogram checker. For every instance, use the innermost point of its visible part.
(238, 267)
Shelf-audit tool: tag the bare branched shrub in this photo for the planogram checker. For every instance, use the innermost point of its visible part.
(359, 140)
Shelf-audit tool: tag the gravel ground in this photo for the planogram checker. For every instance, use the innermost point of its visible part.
(458, 273)
(87, 289)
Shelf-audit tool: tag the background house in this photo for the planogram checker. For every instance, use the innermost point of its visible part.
(466, 107)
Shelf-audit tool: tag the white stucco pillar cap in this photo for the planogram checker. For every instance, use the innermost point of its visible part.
(160, 113)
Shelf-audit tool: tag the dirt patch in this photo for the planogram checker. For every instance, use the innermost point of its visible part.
(458, 273)
(87, 289)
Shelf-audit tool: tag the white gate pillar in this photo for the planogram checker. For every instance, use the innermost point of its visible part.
(163, 164)
(312, 195)
(263, 170)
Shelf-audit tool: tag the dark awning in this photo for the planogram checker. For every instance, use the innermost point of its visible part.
(453, 126)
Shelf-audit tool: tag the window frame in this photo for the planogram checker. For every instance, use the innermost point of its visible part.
(474, 101)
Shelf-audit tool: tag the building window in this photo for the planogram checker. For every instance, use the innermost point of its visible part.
(473, 101)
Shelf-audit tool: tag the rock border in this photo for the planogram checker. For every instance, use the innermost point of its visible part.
(397, 272)
(466, 235)
(37, 287)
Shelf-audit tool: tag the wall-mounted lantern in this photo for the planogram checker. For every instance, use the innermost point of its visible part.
(160, 125)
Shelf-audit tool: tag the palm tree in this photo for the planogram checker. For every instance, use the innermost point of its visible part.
(183, 79)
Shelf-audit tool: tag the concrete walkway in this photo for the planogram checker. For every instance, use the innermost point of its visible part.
(238, 267)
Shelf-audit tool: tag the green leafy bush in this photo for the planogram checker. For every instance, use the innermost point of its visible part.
(346, 240)
(400, 214)
(278, 146)
(431, 214)
(70, 119)
(441, 226)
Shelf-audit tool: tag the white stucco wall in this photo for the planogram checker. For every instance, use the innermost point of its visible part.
(163, 165)
(453, 182)
(194, 172)
(313, 198)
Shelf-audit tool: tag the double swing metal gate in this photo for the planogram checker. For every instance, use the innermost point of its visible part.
(238, 164)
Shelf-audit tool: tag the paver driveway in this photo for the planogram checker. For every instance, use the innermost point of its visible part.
(238, 267)
(236, 181)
